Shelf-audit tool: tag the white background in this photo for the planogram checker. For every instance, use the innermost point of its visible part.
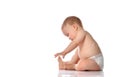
(30, 34)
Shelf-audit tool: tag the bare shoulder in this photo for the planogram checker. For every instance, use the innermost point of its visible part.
(88, 35)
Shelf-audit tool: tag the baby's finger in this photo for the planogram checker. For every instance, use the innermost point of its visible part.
(56, 55)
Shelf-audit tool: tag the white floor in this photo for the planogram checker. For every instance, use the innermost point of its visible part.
(65, 73)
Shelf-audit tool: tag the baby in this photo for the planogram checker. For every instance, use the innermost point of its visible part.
(88, 55)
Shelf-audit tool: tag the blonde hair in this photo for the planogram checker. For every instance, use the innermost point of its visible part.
(72, 20)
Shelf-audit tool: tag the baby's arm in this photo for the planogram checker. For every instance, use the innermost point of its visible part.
(74, 58)
(79, 38)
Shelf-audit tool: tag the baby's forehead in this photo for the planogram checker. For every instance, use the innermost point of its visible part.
(66, 26)
(64, 30)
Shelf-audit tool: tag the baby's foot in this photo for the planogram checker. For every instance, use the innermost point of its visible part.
(61, 64)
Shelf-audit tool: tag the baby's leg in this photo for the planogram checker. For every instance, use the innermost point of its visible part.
(65, 66)
(69, 65)
(87, 64)
(61, 64)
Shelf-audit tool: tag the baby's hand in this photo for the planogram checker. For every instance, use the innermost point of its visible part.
(60, 54)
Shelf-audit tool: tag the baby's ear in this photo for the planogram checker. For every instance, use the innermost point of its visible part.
(75, 26)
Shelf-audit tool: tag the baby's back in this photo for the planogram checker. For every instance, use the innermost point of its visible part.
(88, 47)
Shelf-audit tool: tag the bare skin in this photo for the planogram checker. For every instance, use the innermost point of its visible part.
(87, 47)
(61, 64)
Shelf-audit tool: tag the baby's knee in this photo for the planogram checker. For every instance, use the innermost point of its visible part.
(79, 67)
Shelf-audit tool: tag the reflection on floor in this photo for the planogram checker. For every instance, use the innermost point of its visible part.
(66, 73)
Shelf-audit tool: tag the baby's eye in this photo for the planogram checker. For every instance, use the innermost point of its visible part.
(67, 34)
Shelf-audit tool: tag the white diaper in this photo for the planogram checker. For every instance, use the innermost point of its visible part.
(99, 60)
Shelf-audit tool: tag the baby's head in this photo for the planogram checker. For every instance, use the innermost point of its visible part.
(70, 26)
(71, 20)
